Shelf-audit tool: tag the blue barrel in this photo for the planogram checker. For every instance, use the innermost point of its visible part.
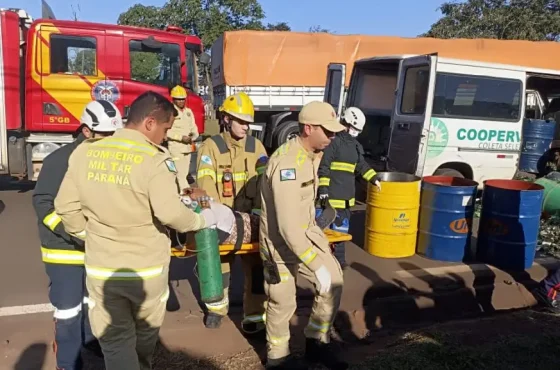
(536, 140)
(509, 224)
(446, 214)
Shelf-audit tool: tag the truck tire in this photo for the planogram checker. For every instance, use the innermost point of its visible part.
(286, 131)
(448, 172)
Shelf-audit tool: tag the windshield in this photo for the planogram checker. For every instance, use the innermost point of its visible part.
(192, 72)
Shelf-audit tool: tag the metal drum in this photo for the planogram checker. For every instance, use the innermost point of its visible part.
(446, 213)
(536, 141)
(509, 223)
(392, 215)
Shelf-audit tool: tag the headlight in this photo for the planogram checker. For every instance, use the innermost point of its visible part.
(40, 151)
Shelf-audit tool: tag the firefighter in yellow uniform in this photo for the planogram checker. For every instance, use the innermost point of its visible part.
(118, 194)
(291, 242)
(182, 135)
(229, 169)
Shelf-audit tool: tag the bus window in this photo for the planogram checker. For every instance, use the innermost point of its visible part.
(477, 97)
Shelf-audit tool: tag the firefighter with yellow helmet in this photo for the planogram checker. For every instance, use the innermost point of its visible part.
(229, 169)
(182, 135)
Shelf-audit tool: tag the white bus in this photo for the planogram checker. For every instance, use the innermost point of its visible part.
(428, 115)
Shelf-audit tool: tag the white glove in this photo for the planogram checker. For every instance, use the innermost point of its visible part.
(324, 279)
(225, 218)
(210, 218)
(323, 196)
(377, 183)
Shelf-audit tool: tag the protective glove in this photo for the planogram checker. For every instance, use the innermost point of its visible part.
(376, 182)
(225, 219)
(324, 279)
(323, 192)
(210, 218)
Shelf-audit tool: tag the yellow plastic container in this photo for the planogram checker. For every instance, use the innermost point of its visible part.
(392, 216)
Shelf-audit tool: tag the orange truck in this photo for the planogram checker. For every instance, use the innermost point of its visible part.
(50, 69)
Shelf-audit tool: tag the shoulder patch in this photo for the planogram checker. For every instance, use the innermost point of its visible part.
(206, 160)
(288, 174)
(171, 165)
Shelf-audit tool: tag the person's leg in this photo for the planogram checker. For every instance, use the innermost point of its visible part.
(67, 296)
(281, 306)
(112, 321)
(217, 311)
(182, 163)
(149, 308)
(341, 224)
(254, 299)
(324, 310)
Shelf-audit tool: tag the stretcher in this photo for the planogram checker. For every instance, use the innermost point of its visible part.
(225, 249)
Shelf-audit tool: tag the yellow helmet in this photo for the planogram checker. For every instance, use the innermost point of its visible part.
(240, 106)
(178, 92)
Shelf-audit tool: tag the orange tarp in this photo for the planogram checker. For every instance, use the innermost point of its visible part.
(275, 58)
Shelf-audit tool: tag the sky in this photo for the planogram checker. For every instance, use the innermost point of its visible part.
(407, 18)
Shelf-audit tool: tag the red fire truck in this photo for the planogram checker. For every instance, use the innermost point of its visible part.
(50, 69)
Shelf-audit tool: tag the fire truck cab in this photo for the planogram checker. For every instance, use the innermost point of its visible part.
(50, 69)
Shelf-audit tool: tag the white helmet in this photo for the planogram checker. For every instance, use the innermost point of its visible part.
(355, 118)
(101, 116)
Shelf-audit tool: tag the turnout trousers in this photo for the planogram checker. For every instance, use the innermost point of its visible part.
(126, 316)
(68, 294)
(254, 298)
(341, 224)
(281, 304)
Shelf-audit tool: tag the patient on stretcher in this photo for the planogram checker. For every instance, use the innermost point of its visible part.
(243, 228)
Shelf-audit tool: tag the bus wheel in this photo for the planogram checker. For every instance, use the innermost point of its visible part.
(448, 172)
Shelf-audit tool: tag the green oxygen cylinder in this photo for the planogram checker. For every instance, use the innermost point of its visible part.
(208, 259)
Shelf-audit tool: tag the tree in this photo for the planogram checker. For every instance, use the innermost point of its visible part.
(82, 61)
(318, 28)
(207, 19)
(535, 20)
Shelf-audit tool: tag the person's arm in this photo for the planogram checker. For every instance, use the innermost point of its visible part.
(362, 167)
(166, 202)
(287, 203)
(67, 202)
(324, 170)
(46, 188)
(260, 167)
(206, 175)
(193, 128)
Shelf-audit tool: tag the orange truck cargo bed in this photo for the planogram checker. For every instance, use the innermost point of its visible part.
(276, 58)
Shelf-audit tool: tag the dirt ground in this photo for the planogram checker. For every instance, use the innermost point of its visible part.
(521, 340)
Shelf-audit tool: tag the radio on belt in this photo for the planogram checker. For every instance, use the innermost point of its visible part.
(227, 182)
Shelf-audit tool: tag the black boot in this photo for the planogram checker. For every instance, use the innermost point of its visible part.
(322, 353)
(285, 363)
(213, 321)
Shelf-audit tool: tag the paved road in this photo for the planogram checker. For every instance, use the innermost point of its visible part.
(26, 320)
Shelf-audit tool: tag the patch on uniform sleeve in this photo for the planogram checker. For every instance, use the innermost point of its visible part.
(206, 160)
(288, 174)
(171, 165)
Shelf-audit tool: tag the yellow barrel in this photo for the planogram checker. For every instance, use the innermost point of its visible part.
(392, 215)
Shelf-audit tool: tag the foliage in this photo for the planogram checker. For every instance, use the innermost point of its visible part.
(83, 62)
(145, 66)
(207, 19)
(534, 20)
(318, 28)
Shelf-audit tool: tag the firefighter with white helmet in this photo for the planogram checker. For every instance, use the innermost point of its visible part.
(229, 169)
(62, 253)
(181, 136)
(342, 160)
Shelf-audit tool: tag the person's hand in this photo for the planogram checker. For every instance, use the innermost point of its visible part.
(324, 279)
(186, 139)
(195, 193)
